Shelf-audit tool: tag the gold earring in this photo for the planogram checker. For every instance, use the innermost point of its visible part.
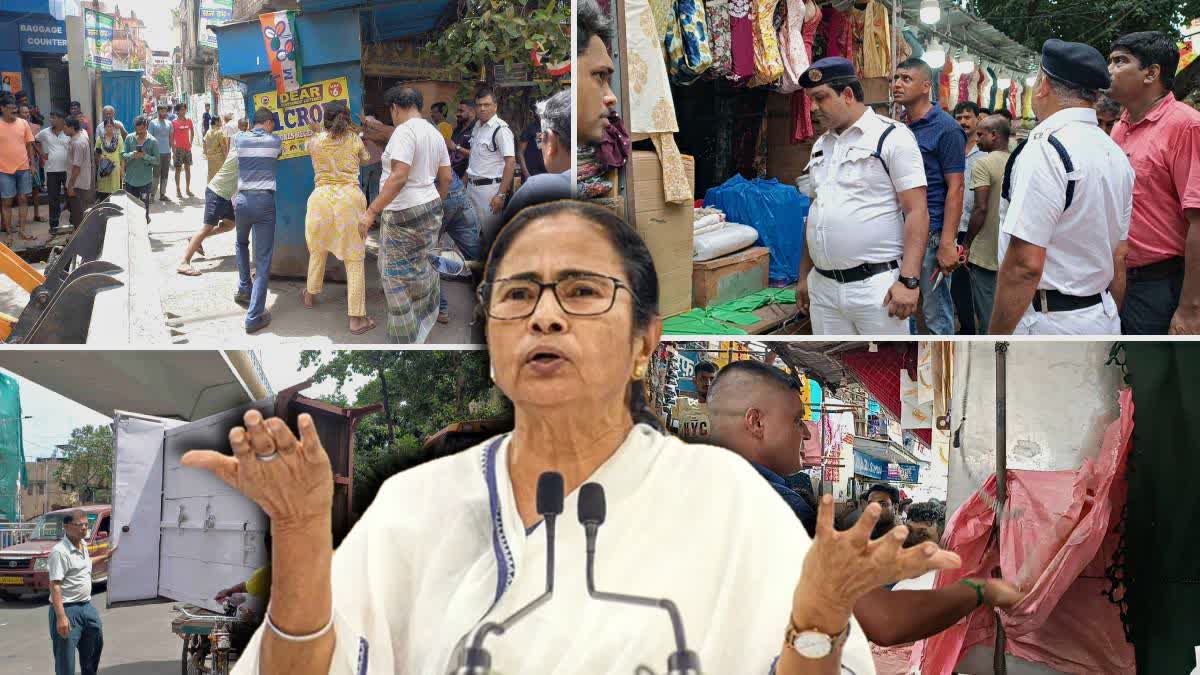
(491, 372)
(639, 371)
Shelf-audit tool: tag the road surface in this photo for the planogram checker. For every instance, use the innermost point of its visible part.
(137, 640)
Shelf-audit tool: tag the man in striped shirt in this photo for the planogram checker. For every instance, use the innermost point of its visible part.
(258, 153)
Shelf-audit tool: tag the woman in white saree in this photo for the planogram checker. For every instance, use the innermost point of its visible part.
(571, 298)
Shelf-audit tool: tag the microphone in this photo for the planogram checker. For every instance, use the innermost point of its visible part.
(476, 659)
(592, 510)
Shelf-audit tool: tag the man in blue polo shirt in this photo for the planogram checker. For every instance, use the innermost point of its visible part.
(258, 153)
(943, 150)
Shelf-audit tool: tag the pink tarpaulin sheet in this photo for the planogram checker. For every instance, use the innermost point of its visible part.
(1055, 541)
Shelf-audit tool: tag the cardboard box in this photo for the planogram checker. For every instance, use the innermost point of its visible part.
(730, 277)
(666, 229)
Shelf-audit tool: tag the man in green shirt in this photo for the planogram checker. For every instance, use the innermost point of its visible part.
(140, 157)
(983, 232)
(218, 211)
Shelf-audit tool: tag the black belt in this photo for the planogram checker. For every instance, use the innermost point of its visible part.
(1053, 301)
(863, 271)
(1163, 269)
(483, 181)
(76, 604)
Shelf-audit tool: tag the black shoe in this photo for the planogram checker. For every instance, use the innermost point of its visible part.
(263, 322)
(242, 299)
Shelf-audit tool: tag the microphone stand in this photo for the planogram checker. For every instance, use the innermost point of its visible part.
(592, 510)
(476, 659)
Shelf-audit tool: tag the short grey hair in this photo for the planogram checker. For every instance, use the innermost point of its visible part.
(107, 108)
(1066, 91)
(555, 115)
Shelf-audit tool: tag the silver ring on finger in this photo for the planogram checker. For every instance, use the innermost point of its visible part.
(267, 458)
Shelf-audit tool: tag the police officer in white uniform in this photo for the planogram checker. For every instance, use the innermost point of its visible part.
(491, 165)
(1070, 191)
(869, 221)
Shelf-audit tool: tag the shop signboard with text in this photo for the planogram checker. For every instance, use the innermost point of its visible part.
(98, 32)
(870, 467)
(213, 13)
(295, 109)
(43, 36)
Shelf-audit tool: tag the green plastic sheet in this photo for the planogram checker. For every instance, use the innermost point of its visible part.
(725, 318)
(12, 450)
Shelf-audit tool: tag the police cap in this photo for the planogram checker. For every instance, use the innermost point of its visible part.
(1076, 64)
(827, 70)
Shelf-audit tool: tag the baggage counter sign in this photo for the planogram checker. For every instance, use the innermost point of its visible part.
(294, 109)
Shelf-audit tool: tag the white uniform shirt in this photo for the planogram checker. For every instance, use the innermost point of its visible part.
(443, 548)
(487, 160)
(55, 146)
(420, 145)
(856, 216)
(72, 565)
(968, 194)
(1079, 242)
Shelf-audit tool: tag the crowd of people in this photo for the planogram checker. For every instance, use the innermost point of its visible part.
(413, 177)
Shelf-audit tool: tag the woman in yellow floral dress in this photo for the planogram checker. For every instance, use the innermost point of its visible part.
(334, 208)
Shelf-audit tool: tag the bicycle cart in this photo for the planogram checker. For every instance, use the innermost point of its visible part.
(207, 644)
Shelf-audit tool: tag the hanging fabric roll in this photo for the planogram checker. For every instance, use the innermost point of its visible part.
(768, 63)
(858, 32)
(990, 93)
(943, 82)
(877, 41)
(717, 13)
(833, 29)
(1012, 100)
(686, 41)
(652, 111)
(791, 47)
(984, 86)
(964, 82)
(741, 34)
(802, 127)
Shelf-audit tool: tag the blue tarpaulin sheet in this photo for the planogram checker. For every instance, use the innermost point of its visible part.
(777, 210)
(12, 450)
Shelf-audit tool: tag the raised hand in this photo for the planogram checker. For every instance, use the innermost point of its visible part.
(841, 567)
(289, 477)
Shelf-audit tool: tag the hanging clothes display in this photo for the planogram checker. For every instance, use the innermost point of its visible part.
(856, 24)
(964, 82)
(974, 84)
(1027, 106)
(876, 41)
(686, 42)
(1012, 100)
(652, 110)
(717, 13)
(991, 91)
(768, 64)
(791, 46)
(802, 126)
(741, 33)
(952, 98)
(914, 45)
(943, 83)
(664, 13)
(833, 29)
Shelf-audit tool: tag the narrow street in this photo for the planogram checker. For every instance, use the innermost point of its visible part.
(201, 311)
(137, 639)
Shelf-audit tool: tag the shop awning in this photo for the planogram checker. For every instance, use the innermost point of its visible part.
(884, 451)
(980, 38)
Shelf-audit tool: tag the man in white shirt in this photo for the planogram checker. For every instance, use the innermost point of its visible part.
(76, 624)
(230, 127)
(967, 115)
(54, 142)
(869, 220)
(416, 177)
(1070, 190)
(492, 158)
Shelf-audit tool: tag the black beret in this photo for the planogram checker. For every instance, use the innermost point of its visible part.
(1075, 63)
(826, 70)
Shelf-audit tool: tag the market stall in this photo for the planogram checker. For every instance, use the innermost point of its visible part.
(720, 132)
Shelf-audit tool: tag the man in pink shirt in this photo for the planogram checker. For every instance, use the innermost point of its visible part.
(1161, 136)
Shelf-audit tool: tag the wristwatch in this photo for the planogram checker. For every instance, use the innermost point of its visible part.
(813, 644)
(910, 282)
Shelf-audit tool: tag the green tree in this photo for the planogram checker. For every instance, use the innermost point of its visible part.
(491, 32)
(422, 392)
(86, 464)
(163, 77)
(1094, 22)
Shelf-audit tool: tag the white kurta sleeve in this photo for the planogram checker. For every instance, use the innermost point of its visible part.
(364, 638)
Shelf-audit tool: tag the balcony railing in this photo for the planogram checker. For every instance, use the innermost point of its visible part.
(11, 535)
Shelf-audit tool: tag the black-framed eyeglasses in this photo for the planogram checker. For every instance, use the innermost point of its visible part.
(577, 295)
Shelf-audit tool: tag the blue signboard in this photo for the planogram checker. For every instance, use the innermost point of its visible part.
(45, 35)
(866, 465)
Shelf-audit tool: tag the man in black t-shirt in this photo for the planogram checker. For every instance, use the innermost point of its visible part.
(528, 153)
(461, 137)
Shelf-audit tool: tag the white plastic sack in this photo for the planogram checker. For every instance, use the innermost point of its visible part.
(728, 239)
(706, 221)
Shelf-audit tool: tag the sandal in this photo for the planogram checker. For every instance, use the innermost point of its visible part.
(367, 328)
(308, 299)
(28, 237)
(187, 270)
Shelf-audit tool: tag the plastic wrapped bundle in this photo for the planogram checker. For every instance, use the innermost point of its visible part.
(725, 239)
